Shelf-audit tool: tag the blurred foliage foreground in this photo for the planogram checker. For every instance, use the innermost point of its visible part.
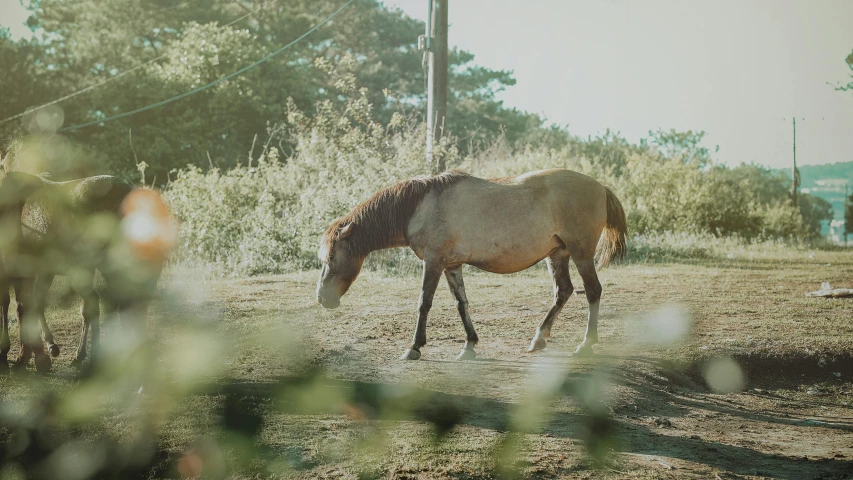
(73, 229)
(96, 426)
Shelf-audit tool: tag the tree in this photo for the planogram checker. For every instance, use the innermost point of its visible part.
(23, 79)
(610, 150)
(89, 41)
(848, 215)
(814, 210)
(682, 145)
(849, 61)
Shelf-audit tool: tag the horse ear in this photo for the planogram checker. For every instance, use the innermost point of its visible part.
(346, 231)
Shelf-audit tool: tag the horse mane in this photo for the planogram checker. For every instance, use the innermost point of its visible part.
(385, 216)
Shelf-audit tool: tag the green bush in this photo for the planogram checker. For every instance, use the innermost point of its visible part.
(267, 215)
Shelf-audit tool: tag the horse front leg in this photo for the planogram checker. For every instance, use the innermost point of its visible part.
(432, 274)
(457, 286)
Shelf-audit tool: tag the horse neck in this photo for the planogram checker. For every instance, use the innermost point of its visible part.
(383, 220)
(383, 225)
(373, 237)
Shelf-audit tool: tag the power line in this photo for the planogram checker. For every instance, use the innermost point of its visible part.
(178, 5)
(199, 89)
(114, 77)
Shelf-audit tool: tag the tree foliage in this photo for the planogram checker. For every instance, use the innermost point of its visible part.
(849, 61)
(190, 44)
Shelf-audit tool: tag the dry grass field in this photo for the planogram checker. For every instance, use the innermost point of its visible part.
(645, 396)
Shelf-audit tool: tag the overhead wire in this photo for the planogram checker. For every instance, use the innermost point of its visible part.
(201, 88)
(114, 77)
(209, 85)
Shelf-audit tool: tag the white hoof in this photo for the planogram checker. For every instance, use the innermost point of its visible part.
(410, 354)
(466, 354)
(584, 350)
(537, 344)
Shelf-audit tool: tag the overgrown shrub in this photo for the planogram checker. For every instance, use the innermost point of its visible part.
(267, 215)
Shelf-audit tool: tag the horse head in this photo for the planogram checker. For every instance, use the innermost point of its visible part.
(341, 265)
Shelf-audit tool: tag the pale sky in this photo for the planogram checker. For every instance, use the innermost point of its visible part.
(13, 16)
(738, 69)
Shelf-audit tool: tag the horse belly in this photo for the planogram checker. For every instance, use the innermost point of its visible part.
(510, 253)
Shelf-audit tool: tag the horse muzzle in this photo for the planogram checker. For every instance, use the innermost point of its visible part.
(328, 303)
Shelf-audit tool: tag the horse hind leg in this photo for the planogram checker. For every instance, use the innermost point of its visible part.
(47, 335)
(558, 266)
(31, 302)
(90, 311)
(25, 354)
(592, 287)
(457, 286)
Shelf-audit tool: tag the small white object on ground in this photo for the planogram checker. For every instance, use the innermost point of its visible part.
(826, 290)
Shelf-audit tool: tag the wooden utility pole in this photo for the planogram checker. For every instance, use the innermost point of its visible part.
(435, 46)
(846, 227)
(795, 175)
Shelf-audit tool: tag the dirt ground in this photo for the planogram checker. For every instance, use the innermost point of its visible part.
(661, 327)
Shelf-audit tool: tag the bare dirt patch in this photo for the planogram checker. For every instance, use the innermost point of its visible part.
(793, 418)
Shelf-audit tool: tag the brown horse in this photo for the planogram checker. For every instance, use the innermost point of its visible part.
(498, 225)
(68, 228)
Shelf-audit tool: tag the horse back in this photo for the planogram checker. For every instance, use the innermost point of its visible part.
(56, 215)
(100, 194)
(554, 199)
(506, 225)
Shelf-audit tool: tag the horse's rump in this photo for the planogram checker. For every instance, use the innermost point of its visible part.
(613, 243)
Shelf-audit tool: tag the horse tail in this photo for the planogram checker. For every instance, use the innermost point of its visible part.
(613, 241)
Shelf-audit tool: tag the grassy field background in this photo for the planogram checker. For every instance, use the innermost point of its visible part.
(241, 360)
